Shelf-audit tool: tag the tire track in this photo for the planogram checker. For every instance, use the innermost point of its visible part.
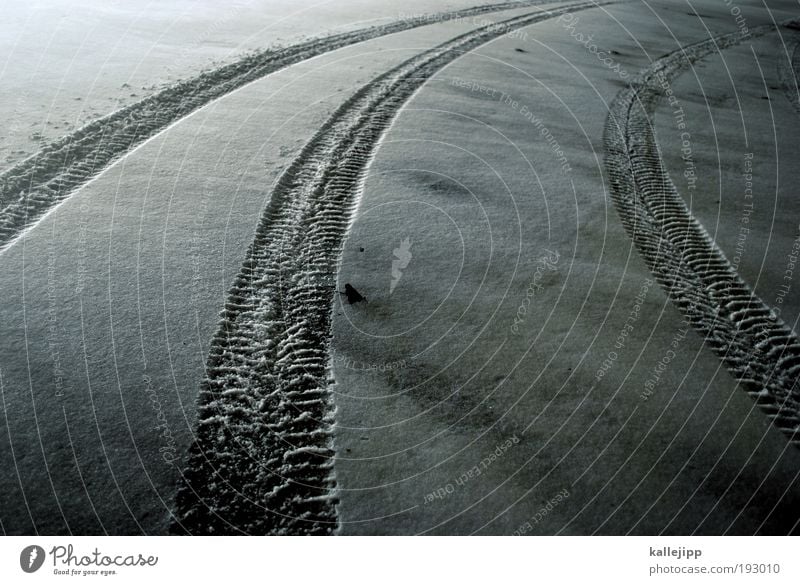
(761, 352)
(262, 461)
(35, 185)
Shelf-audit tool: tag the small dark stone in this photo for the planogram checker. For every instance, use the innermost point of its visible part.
(353, 296)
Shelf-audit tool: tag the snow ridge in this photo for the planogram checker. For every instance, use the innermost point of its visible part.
(262, 462)
(31, 188)
(758, 348)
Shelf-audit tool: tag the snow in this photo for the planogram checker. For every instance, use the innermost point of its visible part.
(137, 266)
(68, 62)
(112, 301)
(631, 461)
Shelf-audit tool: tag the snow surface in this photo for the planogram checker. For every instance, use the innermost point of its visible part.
(126, 279)
(67, 62)
(433, 377)
(475, 391)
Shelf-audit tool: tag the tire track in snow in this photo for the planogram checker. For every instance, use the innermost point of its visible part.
(262, 461)
(759, 349)
(31, 188)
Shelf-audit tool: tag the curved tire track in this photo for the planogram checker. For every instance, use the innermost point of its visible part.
(761, 352)
(35, 185)
(267, 393)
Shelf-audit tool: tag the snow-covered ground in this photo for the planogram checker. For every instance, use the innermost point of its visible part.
(112, 300)
(742, 134)
(525, 313)
(517, 368)
(66, 62)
